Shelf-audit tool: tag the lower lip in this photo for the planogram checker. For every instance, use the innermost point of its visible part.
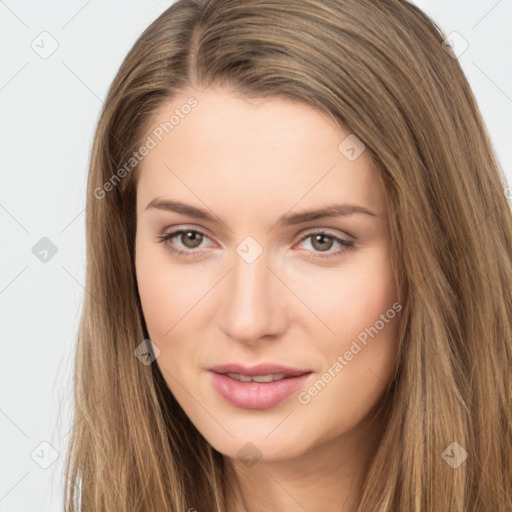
(256, 395)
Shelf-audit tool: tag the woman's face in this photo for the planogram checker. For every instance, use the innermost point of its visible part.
(255, 283)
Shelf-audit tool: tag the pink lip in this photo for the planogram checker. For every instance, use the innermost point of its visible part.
(256, 395)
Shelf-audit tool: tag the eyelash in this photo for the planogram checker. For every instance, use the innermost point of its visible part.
(346, 245)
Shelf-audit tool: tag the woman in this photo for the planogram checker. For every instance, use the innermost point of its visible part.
(299, 271)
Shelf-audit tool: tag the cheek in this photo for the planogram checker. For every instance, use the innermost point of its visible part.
(360, 356)
(359, 305)
(353, 296)
(154, 286)
(166, 292)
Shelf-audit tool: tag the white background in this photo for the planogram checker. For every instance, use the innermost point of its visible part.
(49, 109)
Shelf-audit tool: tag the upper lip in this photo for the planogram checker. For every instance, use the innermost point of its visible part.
(260, 369)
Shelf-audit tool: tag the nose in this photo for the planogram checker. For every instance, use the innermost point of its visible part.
(253, 303)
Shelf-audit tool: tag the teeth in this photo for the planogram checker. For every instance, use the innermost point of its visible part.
(257, 378)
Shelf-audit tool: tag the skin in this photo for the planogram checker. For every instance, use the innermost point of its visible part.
(248, 162)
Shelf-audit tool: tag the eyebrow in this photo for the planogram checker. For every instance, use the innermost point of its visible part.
(334, 210)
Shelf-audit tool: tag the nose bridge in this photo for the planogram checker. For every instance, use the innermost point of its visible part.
(251, 306)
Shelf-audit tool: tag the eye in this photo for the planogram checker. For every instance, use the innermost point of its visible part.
(191, 241)
(322, 242)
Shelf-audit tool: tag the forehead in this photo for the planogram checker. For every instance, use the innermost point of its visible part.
(252, 155)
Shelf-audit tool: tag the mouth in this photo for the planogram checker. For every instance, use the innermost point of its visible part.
(258, 387)
(260, 370)
(271, 377)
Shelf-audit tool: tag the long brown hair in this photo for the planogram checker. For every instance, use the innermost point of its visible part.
(380, 69)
